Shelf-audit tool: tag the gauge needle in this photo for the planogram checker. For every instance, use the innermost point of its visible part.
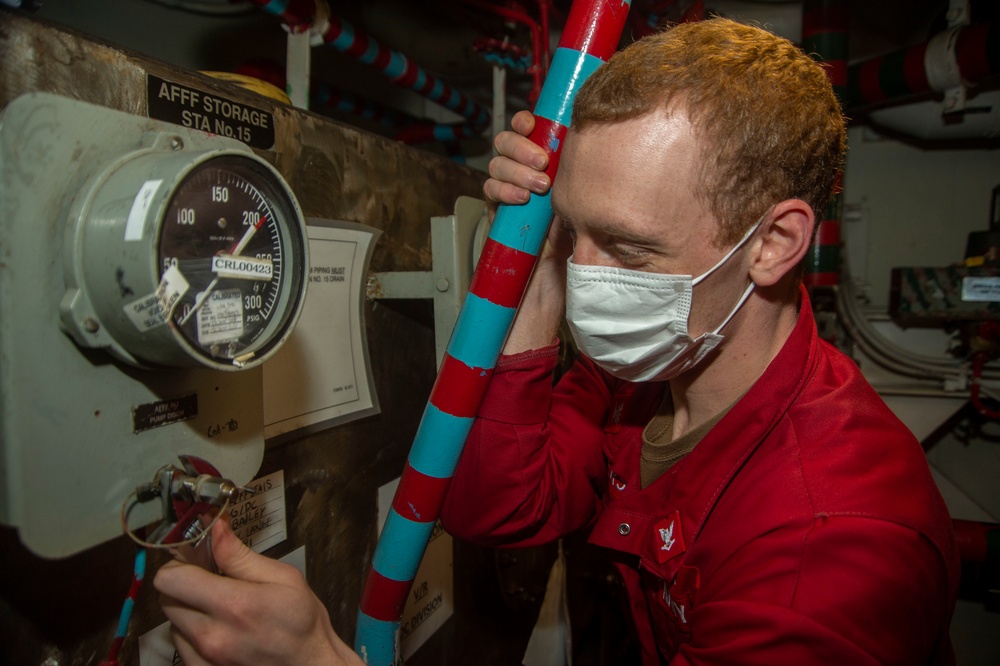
(233, 251)
(236, 249)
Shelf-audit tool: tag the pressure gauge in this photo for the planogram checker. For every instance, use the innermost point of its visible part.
(178, 258)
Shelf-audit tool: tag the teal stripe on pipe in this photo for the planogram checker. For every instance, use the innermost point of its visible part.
(395, 557)
(125, 616)
(438, 442)
(276, 7)
(568, 71)
(523, 227)
(397, 65)
(380, 640)
(480, 332)
(345, 38)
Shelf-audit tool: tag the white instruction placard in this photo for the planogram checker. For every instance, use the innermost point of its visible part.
(432, 599)
(321, 376)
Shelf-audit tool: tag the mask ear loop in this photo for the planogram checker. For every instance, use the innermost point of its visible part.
(732, 251)
(739, 304)
(750, 287)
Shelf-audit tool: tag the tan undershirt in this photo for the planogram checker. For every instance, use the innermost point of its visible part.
(659, 452)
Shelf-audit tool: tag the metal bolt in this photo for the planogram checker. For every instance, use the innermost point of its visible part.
(176, 143)
(443, 284)
(91, 325)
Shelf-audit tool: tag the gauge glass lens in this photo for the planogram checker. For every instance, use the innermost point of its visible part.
(233, 234)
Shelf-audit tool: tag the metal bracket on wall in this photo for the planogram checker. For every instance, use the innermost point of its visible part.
(456, 241)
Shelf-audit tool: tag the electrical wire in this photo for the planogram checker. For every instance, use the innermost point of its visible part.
(129, 503)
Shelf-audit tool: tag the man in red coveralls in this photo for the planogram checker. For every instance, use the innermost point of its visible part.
(761, 503)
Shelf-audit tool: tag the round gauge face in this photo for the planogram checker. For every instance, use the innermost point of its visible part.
(232, 249)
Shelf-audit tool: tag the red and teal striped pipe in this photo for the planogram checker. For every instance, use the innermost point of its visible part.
(824, 37)
(138, 573)
(400, 70)
(912, 72)
(590, 36)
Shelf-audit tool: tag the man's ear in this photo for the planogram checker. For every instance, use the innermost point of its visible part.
(784, 236)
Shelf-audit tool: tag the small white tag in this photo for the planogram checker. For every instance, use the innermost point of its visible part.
(984, 289)
(140, 206)
(247, 268)
(220, 318)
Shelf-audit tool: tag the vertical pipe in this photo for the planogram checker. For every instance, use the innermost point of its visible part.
(590, 36)
(824, 36)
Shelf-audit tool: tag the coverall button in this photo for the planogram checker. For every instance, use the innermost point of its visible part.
(624, 529)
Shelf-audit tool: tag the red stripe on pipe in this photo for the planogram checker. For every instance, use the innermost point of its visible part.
(828, 233)
(299, 14)
(549, 135)
(821, 279)
(836, 71)
(359, 45)
(383, 598)
(868, 81)
(382, 59)
(333, 30)
(502, 274)
(427, 87)
(419, 497)
(595, 30)
(460, 388)
(971, 54)
(408, 76)
(914, 71)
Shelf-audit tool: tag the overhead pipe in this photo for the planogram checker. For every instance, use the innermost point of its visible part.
(326, 96)
(409, 129)
(401, 71)
(340, 34)
(824, 37)
(590, 36)
(958, 56)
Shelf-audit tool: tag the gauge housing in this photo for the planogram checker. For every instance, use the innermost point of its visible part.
(178, 258)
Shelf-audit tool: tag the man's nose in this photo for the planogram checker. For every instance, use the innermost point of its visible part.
(585, 253)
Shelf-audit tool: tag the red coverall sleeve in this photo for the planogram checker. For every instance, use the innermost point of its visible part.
(847, 590)
(533, 467)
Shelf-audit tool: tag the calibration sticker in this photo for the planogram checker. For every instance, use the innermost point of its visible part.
(196, 109)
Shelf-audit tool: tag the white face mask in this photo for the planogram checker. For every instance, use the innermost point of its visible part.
(635, 324)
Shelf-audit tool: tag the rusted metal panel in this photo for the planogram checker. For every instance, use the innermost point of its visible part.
(65, 612)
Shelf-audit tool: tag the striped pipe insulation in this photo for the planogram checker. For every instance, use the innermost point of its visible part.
(590, 36)
(822, 261)
(401, 71)
(824, 37)
(298, 15)
(965, 55)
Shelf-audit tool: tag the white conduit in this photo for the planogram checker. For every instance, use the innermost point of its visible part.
(893, 357)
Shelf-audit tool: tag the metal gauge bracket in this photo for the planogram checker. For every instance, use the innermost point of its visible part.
(456, 242)
(77, 313)
(80, 430)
